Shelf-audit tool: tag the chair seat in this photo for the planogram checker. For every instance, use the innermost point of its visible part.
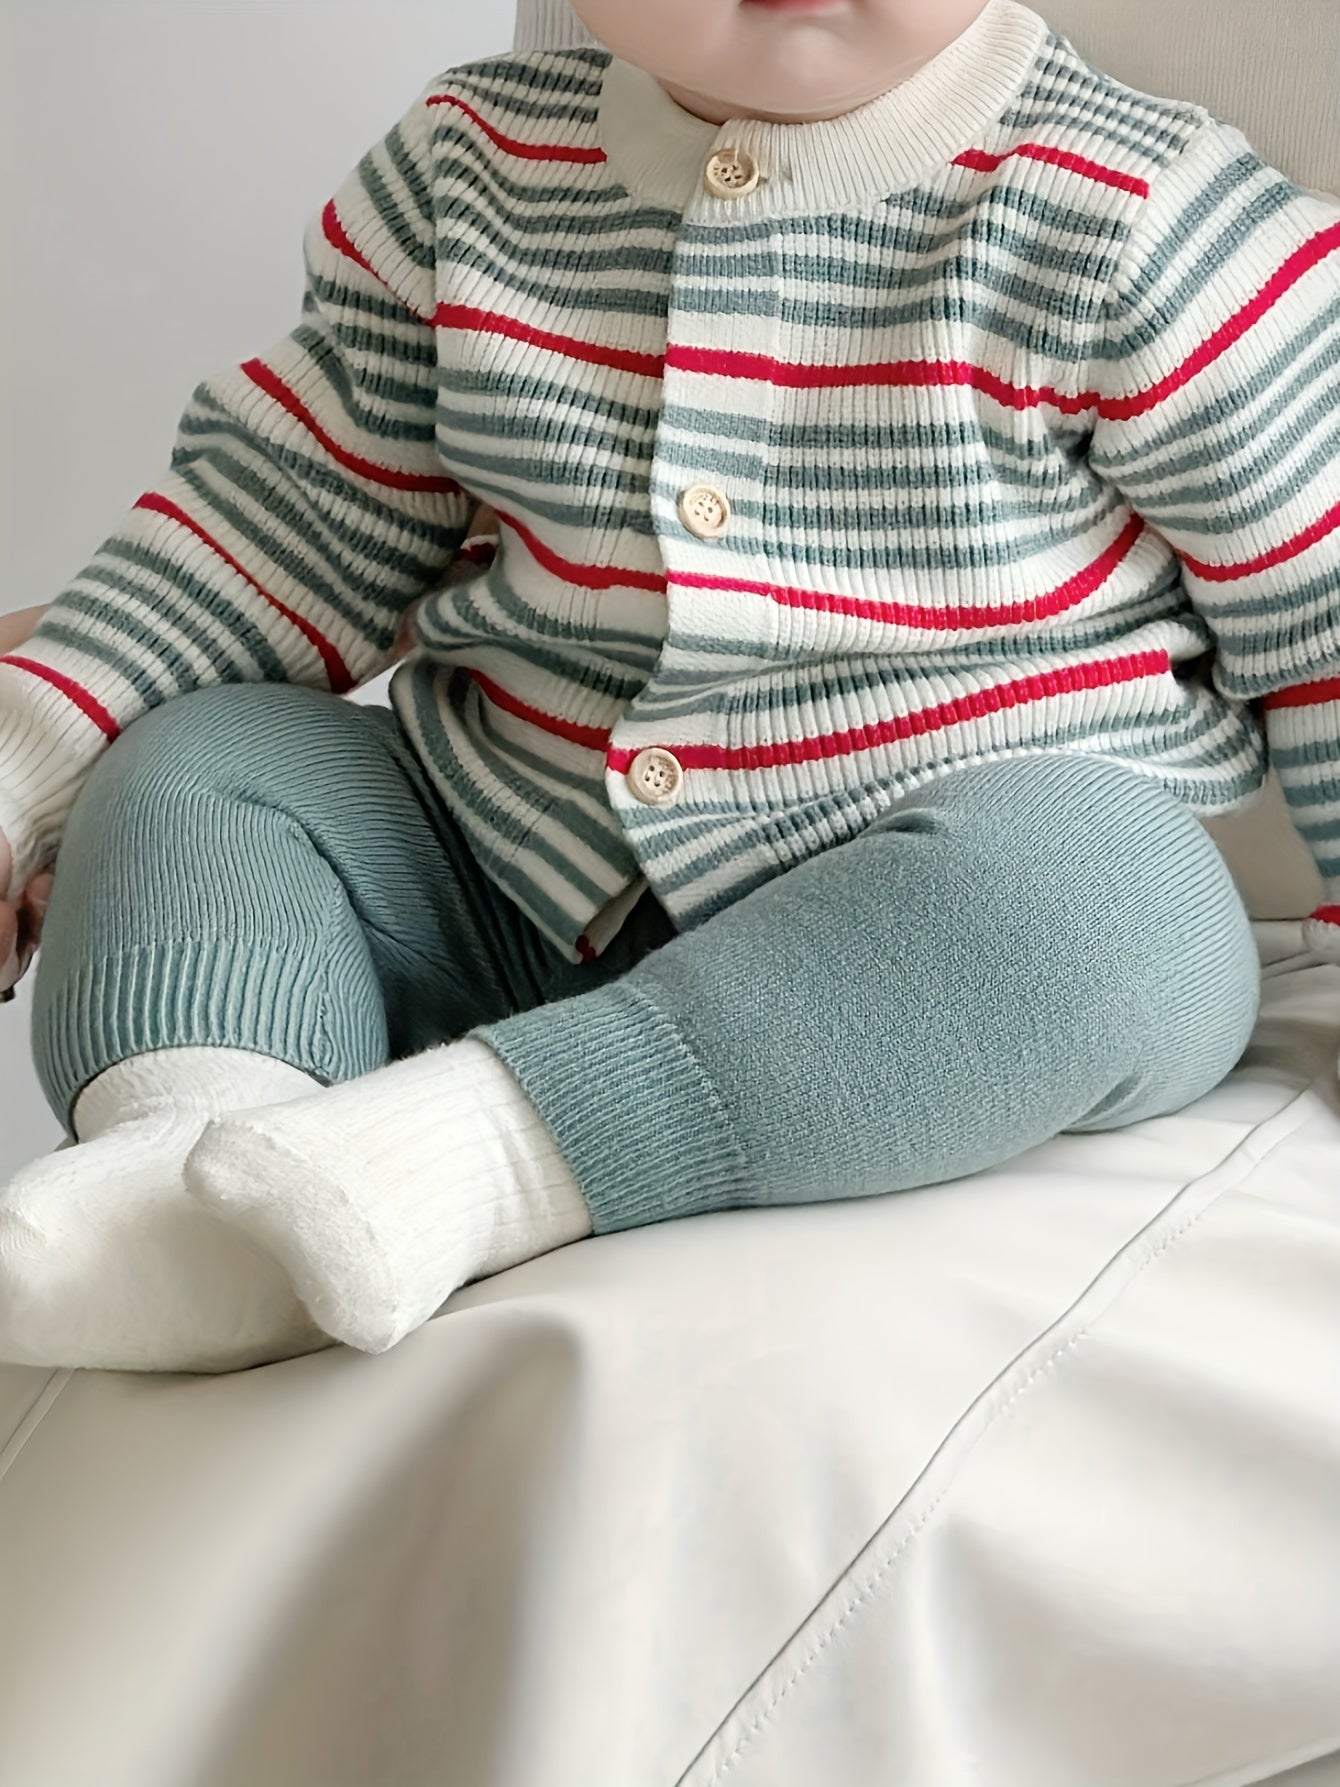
(1039, 1466)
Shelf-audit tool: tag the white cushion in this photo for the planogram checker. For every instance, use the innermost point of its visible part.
(1038, 1466)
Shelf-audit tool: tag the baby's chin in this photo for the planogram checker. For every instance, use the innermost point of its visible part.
(828, 79)
(785, 100)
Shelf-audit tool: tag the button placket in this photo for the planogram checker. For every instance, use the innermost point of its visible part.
(656, 777)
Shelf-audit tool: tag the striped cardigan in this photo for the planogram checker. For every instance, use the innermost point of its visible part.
(1001, 415)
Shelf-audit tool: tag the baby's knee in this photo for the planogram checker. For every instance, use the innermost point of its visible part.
(228, 736)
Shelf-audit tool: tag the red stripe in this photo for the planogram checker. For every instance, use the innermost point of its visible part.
(977, 706)
(1317, 530)
(337, 671)
(589, 353)
(1304, 694)
(783, 373)
(595, 738)
(1329, 915)
(270, 382)
(986, 163)
(86, 703)
(343, 244)
(1065, 596)
(766, 369)
(724, 363)
(978, 159)
(1301, 261)
(587, 576)
(763, 368)
(338, 238)
(513, 145)
(902, 614)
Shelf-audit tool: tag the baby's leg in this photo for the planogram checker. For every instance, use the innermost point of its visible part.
(1024, 947)
(203, 953)
(1020, 948)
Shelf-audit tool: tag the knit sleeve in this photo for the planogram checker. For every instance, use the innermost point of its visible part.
(1218, 421)
(303, 511)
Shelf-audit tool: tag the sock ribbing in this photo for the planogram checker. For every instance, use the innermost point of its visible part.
(210, 1081)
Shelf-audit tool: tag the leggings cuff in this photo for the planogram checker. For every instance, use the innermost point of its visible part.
(636, 1118)
(214, 992)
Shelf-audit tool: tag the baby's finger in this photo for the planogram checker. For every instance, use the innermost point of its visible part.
(21, 932)
(33, 909)
(24, 963)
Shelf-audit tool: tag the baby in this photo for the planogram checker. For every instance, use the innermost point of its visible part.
(917, 502)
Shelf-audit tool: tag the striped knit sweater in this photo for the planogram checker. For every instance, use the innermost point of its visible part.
(999, 416)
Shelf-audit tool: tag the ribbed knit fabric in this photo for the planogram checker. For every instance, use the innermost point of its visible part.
(1021, 949)
(383, 1195)
(267, 867)
(548, 25)
(1013, 393)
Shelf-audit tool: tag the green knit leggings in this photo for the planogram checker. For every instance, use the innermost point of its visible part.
(1022, 947)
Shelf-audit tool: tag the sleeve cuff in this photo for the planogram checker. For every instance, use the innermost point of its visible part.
(47, 748)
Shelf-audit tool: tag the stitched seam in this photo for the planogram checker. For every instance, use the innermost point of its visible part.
(38, 1411)
(994, 1422)
(1275, 1764)
(667, 1024)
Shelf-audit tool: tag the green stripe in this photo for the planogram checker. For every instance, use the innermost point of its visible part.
(381, 540)
(377, 567)
(1310, 600)
(1324, 791)
(181, 599)
(399, 224)
(479, 243)
(1096, 101)
(489, 815)
(1207, 437)
(343, 332)
(606, 839)
(519, 82)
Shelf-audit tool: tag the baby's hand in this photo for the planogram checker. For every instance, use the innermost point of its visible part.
(20, 923)
(15, 629)
(20, 919)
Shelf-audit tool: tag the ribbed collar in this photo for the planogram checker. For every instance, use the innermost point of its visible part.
(658, 150)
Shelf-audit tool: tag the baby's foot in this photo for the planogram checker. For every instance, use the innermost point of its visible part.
(104, 1261)
(384, 1194)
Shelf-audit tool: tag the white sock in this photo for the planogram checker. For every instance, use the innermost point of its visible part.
(106, 1264)
(383, 1194)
